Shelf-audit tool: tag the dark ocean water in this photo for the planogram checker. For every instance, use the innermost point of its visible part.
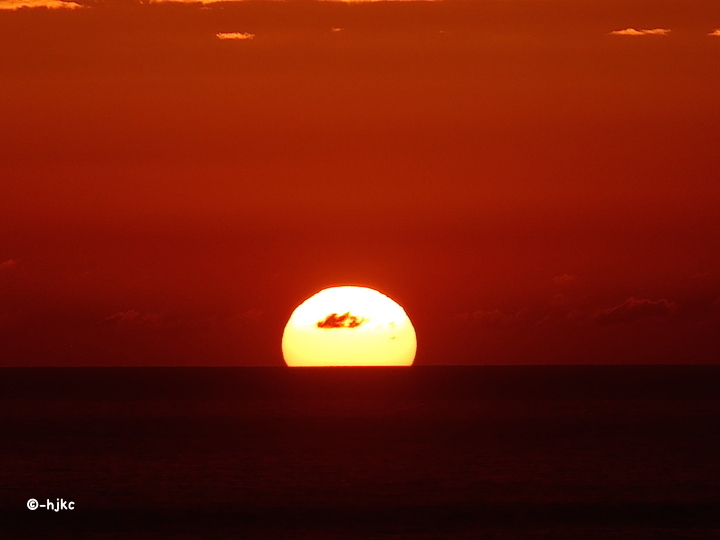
(410, 453)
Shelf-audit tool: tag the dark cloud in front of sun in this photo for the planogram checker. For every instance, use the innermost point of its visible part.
(341, 321)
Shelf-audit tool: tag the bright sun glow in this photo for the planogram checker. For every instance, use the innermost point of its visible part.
(349, 326)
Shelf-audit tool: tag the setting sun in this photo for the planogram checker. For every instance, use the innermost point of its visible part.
(349, 326)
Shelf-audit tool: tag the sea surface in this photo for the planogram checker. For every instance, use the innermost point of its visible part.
(576, 452)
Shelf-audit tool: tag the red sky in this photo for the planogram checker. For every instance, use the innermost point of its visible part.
(529, 186)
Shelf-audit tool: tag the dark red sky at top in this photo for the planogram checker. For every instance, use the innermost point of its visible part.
(530, 187)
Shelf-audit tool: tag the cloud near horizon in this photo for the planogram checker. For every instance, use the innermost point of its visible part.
(207, 2)
(252, 314)
(715, 32)
(488, 318)
(201, 2)
(120, 316)
(522, 318)
(634, 310)
(13, 5)
(375, 1)
(172, 319)
(133, 317)
(641, 32)
(7, 265)
(235, 35)
(564, 279)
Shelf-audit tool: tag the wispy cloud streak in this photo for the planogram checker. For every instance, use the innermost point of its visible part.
(13, 5)
(235, 35)
(206, 2)
(564, 279)
(375, 1)
(201, 2)
(641, 32)
(635, 309)
(7, 265)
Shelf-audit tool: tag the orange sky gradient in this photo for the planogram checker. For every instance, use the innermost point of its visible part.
(532, 181)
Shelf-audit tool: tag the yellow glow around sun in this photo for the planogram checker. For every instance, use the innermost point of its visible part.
(349, 326)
